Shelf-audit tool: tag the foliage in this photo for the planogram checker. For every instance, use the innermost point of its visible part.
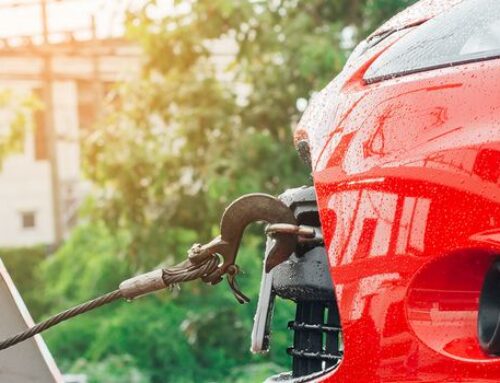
(115, 369)
(23, 266)
(17, 112)
(177, 144)
(376, 10)
(90, 262)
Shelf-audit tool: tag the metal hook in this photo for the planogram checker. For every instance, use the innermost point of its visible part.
(238, 215)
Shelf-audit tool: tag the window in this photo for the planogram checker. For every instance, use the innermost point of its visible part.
(470, 31)
(28, 220)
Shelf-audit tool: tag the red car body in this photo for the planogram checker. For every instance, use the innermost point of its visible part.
(407, 175)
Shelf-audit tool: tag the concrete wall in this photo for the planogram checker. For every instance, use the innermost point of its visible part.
(25, 187)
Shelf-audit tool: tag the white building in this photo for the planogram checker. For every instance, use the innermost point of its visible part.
(81, 72)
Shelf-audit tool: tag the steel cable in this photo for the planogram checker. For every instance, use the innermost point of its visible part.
(185, 271)
(58, 318)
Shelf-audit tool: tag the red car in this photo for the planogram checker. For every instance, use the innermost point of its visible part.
(404, 146)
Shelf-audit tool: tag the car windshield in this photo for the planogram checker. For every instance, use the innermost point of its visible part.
(468, 32)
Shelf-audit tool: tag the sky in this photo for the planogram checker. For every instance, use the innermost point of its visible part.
(23, 17)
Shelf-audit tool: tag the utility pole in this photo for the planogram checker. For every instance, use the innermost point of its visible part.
(50, 129)
(96, 70)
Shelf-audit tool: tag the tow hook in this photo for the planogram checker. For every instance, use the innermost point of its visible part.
(237, 216)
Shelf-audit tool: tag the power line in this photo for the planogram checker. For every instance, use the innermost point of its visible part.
(94, 8)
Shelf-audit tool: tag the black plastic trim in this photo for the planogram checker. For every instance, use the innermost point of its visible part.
(488, 323)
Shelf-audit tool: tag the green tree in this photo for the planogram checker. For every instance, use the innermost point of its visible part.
(180, 142)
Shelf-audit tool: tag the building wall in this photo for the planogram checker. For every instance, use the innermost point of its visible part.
(25, 182)
(25, 188)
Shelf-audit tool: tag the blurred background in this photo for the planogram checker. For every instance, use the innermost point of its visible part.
(125, 128)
